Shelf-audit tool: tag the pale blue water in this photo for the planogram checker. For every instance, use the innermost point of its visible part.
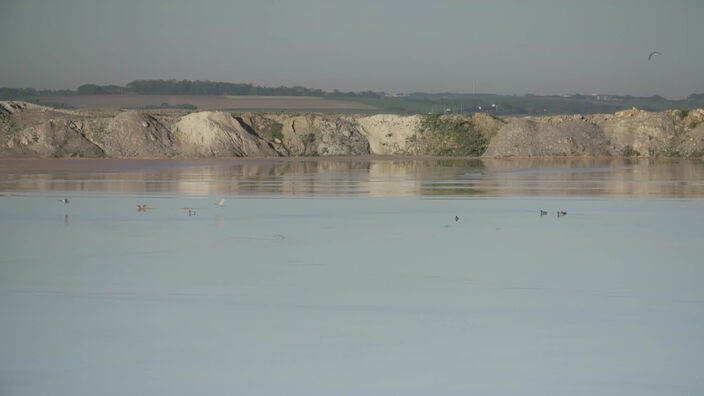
(346, 279)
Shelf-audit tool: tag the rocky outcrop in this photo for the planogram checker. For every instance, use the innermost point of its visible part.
(28, 130)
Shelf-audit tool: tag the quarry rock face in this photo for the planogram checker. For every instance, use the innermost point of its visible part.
(29, 130)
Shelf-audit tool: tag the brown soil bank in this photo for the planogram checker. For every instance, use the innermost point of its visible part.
(28, 130)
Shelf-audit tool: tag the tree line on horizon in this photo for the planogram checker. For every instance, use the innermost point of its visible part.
(182, 87)
(207, 87)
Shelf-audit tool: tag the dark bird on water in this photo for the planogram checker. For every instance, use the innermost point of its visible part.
(561, 213)
(142, 208)
(191, 212)
(64, 201)
(543, 212)
(652, 54)
(457, 218)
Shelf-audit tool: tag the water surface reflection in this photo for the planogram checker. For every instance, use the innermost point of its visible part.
(606, 177)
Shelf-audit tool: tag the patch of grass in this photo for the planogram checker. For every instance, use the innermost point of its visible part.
(629, 151)
(448, 136)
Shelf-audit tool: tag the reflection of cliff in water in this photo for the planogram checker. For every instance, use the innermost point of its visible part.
(590, 176)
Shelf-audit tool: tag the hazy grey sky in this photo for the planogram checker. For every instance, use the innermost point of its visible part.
(506, 46)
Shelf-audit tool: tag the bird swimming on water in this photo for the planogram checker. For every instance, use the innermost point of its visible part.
(221, 203)
(457, 218)
(64, 200)
(561, 213)
(652, 54)
(142, 208)
(543, 212)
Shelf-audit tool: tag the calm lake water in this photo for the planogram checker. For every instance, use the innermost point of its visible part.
(352, 277)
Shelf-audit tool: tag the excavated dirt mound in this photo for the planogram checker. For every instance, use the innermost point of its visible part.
(638, 132)
(133, 134)
(629, 132)
(28, 130)
(691, 143)
(217, 134)
(38, 131)
(389, 133)
(527, 138)
(487, 124)
(316, 134)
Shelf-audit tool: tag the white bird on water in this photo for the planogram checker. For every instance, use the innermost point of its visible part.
(64, 201)
(221, 203)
